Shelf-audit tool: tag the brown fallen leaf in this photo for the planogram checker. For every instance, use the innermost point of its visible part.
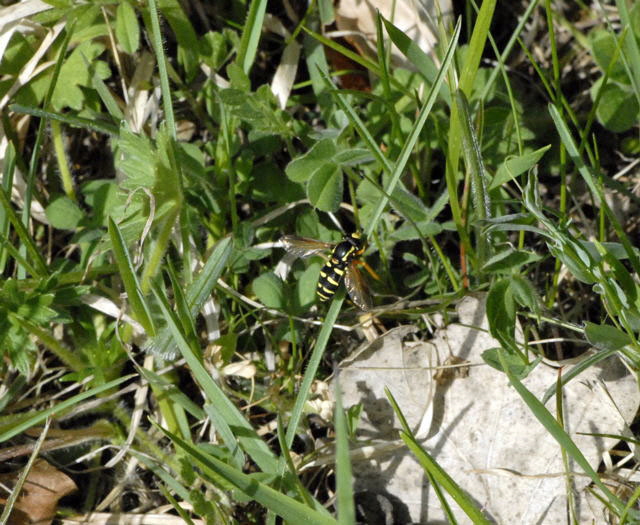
(42, 490)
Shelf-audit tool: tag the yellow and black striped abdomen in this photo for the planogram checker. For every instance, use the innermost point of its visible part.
(330, 277)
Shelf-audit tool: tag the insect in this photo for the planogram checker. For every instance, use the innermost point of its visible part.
(342, 262)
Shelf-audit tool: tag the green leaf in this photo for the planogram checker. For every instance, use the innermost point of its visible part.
(501, 313)
(74, 73)
(353, 156)
(22, 422)
(250, 441)
(437, 475)
(515, 364)
(127, 28)
(603, 47)
(139, 306)
(100, 195)
(251, 34)
(409, 231)
(317, 158)
(344, 477)
(423, 62)
(306, 285)
(554, 428)
(524, 293)
(514, 166)
(268, 289)
(325, 188)
(618, 110)
(508, 260)
(64, 214)
(605, 337)
(290, 509)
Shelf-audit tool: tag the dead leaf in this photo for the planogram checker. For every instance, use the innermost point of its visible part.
(44, 486)
(416, 18)
(479, 429)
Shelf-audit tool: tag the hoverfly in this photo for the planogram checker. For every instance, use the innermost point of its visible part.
(342, 262)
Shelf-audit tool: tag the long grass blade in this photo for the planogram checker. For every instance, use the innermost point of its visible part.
(139, 306)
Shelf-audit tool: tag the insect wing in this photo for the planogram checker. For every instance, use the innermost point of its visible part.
(357, 287)
(303, 246)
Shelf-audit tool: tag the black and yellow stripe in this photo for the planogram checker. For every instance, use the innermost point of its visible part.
(333, 271)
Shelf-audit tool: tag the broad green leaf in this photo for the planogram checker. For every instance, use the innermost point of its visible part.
(74, 73)
(127, 28)
(524, 293)
(516, 366)
(603, 48)
(409, 231)
(605, 337)
(268, 289)
(317, 158)
(618, 109)
(64, 214)
(325, 188)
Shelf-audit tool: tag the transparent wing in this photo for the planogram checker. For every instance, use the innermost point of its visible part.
(357, 287)
(303, 246)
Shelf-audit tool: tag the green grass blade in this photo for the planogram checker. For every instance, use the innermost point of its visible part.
(435, 472)
(595, 188)
(403, 158)
(8, 171)
(558, 433)
(161, 58)
(631, 49)
(348, 53)
(199, 291)
(75, 122)
(344, 478)
(139, 306)
(250, 441)
(475, 166)
(312, 367)
(285, 454)
(476, 46)
(39, 417)
(30, 247)
(10, 250)
(576, 370)
(444, 480)
(251, 34)
(290, 509)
